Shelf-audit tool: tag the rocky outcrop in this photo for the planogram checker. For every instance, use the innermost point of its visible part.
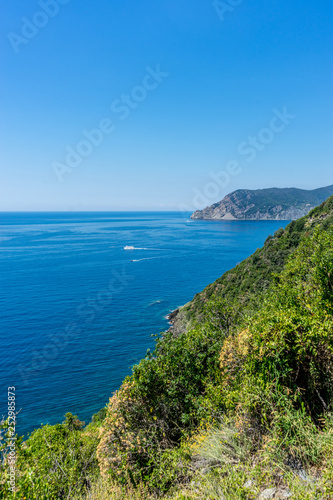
(265, 204)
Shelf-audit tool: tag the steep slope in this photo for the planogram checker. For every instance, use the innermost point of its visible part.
(265, 204)
(249, 279)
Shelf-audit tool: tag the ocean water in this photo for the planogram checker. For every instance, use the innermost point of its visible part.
(78, 310)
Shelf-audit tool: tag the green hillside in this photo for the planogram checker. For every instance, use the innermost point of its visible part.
(265, 204)
(248, 280)
(286, 197)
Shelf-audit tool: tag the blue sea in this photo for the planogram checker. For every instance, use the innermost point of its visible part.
(78, 310)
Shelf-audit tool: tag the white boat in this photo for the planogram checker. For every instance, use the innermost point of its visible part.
(128, 248)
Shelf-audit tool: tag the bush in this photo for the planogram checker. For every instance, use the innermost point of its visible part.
(56, 462)
(158, 406)
(280, 368)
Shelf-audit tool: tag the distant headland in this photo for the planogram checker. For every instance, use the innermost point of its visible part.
(265, 204)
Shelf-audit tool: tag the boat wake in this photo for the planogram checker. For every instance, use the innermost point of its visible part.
(154, 303)
(129, 247)
(147, 258)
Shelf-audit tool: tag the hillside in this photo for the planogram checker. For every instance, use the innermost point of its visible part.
(234, 403)
(265, 204)
(251, 278)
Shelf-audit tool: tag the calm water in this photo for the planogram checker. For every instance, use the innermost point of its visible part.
(76, 313)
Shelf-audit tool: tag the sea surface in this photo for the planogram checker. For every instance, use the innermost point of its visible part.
(78, 310)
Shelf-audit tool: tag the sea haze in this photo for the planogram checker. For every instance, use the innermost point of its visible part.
(56, 269)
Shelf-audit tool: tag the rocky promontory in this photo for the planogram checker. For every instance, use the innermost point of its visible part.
(265, 204)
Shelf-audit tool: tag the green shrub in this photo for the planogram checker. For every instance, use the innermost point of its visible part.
(56, 462)
(158, 406)
(279, 369)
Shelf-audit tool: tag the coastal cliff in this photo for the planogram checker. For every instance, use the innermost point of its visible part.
(265, 204)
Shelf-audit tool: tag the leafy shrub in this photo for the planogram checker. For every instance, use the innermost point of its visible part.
(158, 406)
(280, 369)
(56, 462)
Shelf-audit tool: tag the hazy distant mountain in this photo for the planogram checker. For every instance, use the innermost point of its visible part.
(265, 204)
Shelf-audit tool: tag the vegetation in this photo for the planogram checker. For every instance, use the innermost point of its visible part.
(285, 198)
(238, 405)
(56, 461)
(272, 203)
(249, 280)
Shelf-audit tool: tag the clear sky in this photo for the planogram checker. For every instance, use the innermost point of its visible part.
(182, 92)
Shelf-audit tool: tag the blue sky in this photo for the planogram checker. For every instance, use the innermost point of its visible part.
(219, 78)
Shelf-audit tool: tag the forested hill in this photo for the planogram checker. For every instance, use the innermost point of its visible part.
(265, 204)
(246, 282)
